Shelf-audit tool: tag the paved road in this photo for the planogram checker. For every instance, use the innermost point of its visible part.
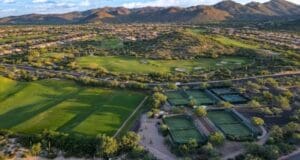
(292, 156)
(78, 74)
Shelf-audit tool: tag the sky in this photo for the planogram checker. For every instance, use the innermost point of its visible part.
(20, 7)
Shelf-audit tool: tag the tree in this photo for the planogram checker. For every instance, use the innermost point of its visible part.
(225, 104)
(160, 97)
(282, 102)
(216, 138)
(155, 103)
(184, 149)
(172, 86)
(109, 146)
(288, 94)
(204, 85)
(192, 102)
(164, 129)
(201, 112)
(252, 157)
(267, 95)
(271, 82)
(36, 149)
(276, 134)
(130, 141)
(192, 145)
(257, 121)
(253, 87)
(254, 104)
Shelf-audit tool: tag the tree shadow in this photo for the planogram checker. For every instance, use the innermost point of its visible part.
(12, 92)
(21, 114)
(83, 113)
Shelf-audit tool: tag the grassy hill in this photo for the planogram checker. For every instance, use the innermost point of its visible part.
(63, 106)
(181, 45)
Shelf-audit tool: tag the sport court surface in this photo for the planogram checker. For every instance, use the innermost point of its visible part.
(229, 95)
(228, 123)
(63, 106)
(182, 129)
(201, 97)
(181, 97)
(177, 98)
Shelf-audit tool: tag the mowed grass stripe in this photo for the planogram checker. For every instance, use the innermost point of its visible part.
(64, 106)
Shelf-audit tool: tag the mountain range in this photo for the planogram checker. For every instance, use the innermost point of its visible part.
(223, 11)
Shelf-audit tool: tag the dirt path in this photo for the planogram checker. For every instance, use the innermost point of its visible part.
(153, 141)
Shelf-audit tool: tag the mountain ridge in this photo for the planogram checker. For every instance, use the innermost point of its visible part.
(223, 11)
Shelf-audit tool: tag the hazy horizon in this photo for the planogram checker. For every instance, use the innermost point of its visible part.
(21, 7)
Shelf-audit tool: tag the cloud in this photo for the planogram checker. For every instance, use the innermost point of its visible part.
(183, 3)
(165, 3)
(8, 10)
(85, 3)
(9, 1)
(39, 1)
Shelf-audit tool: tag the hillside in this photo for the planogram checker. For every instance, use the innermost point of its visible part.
(223, 11)
(183, 45)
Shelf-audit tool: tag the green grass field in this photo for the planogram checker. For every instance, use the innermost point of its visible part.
(63, 106)
(235, 43)
(126, 64)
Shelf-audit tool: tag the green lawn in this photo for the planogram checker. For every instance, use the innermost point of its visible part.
(126, 64)
(235, 43)
(111, 43)
(63, 106)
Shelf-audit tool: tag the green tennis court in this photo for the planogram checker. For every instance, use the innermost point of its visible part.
(182, 97)
(182, 129)
(234, 98)
(201, 97)
(224, 90)
(221, 117)
(236, 130)
(184, 136)
(179, 122)
(175, 95)
(229, 123)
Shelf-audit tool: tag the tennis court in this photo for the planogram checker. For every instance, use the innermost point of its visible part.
(229, 123)
(182, 129)
(179, 122)
(228, 94)
(175, 95)
(201, 97)
(177, 98)
(224, 90)
(182, 97)
(234, 98)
